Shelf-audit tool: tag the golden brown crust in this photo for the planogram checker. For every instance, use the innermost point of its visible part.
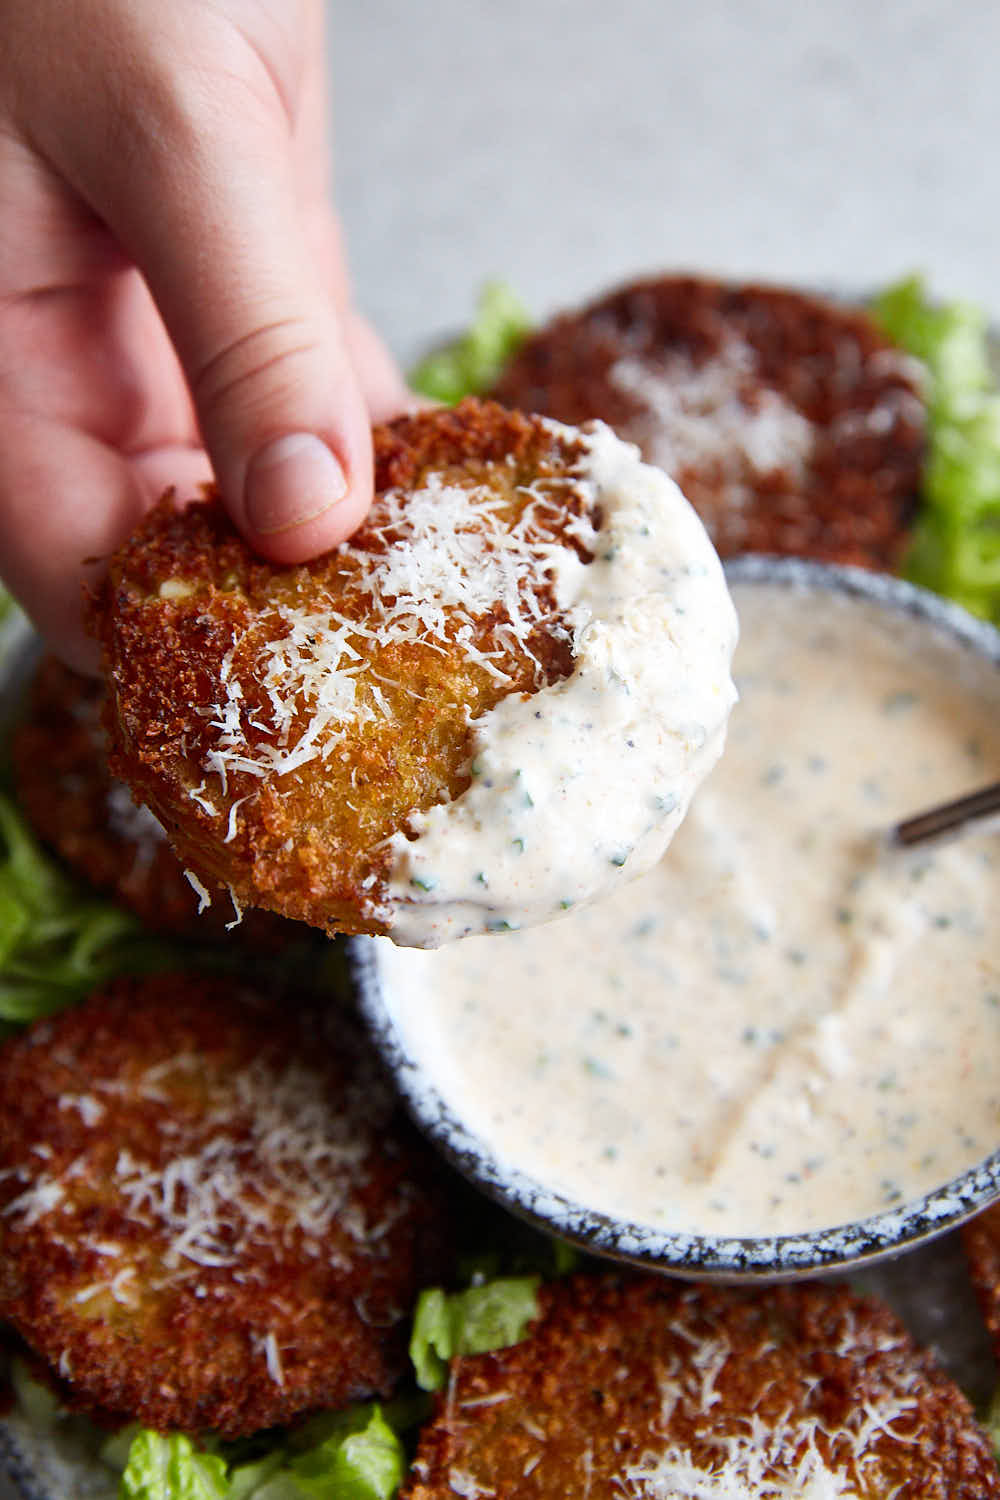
(790, 422)
(318, 1215)
(88, 819)
(981, 1242)
(625, 1373)
(188, 610)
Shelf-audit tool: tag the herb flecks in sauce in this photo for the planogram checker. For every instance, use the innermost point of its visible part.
(808, 1024)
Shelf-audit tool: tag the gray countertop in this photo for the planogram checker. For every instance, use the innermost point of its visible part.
(570, 146)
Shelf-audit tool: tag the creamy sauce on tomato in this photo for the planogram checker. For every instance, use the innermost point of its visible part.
(786, 1025)
(580, 787)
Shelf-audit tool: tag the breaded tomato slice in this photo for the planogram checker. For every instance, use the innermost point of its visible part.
(789, 420)
(981, 1242)
(211, 1217)
(88, 818)
(645, 1387)
(492, 703)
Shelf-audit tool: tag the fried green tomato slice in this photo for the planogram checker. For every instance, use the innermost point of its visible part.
(211, 1216)
(284, 723)
(649, 1388)
(789, 421)
(87, 817)
(981, 1242)
(492, 703)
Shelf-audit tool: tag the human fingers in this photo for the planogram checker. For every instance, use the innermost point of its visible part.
(201, 190)
(47, 550)
(95, 418)
(382, 383)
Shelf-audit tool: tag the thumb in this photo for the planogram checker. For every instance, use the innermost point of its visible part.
(206, 203)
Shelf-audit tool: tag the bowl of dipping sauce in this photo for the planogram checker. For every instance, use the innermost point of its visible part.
(779, 1051)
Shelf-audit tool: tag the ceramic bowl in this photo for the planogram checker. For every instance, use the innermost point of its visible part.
(690, 1254)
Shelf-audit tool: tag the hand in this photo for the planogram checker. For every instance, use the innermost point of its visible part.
(173, 297)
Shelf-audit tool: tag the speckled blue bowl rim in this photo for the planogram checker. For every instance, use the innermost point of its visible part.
(779, 1257)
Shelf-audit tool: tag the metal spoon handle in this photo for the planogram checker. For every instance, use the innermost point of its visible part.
(949, 817)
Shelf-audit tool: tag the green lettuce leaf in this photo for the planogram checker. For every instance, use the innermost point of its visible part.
(265, 1478)
(172, 1468)
(470, 364)
(955, 548)
(491, 1316)
(991, 1421)
(360, 1457)
(362, 1460)
(57, 942)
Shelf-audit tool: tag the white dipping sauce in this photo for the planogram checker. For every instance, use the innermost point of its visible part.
(785, 1025)
(580, 787)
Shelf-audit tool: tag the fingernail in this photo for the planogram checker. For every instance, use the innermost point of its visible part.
(291, 481)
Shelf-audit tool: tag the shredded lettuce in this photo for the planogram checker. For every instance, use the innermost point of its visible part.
(57, 942)
(171, 1468)
(991, 1421)
(361, 1457)
(470, 364)
(956, 543)
(490, 1316)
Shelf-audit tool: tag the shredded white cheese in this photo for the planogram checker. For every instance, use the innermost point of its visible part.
(449, 560)
(791, 1457)
(272, 1355)
(715, 414)
(275, 1161)
(201, 891)
(572, 782)
(580, 787)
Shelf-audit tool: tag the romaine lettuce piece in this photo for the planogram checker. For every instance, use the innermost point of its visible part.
(470, 364)
(364, 1460)
(359, 1458)
(948, 337)
(955, 548)
(57, 942)
(491, 1316)
(172, 1468)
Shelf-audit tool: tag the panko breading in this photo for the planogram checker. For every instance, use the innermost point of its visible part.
(981, 1241)
(790, 422)
(211, 1217)
(88, 818)
(648, 1388)
(298, 729)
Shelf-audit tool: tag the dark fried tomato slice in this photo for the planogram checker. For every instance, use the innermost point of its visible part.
(88, 818)
(643, 1387)
(981, 1241)
(283, 723)
(790, 423)
(210, 1216)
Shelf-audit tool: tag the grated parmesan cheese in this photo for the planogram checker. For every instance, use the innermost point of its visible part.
(272, 1355)
(201, 891)
(792, 1457)
(449, 561)
(580, 787)
(274, 1163)
(90, 1110)
(580, 777)
(697, 415)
